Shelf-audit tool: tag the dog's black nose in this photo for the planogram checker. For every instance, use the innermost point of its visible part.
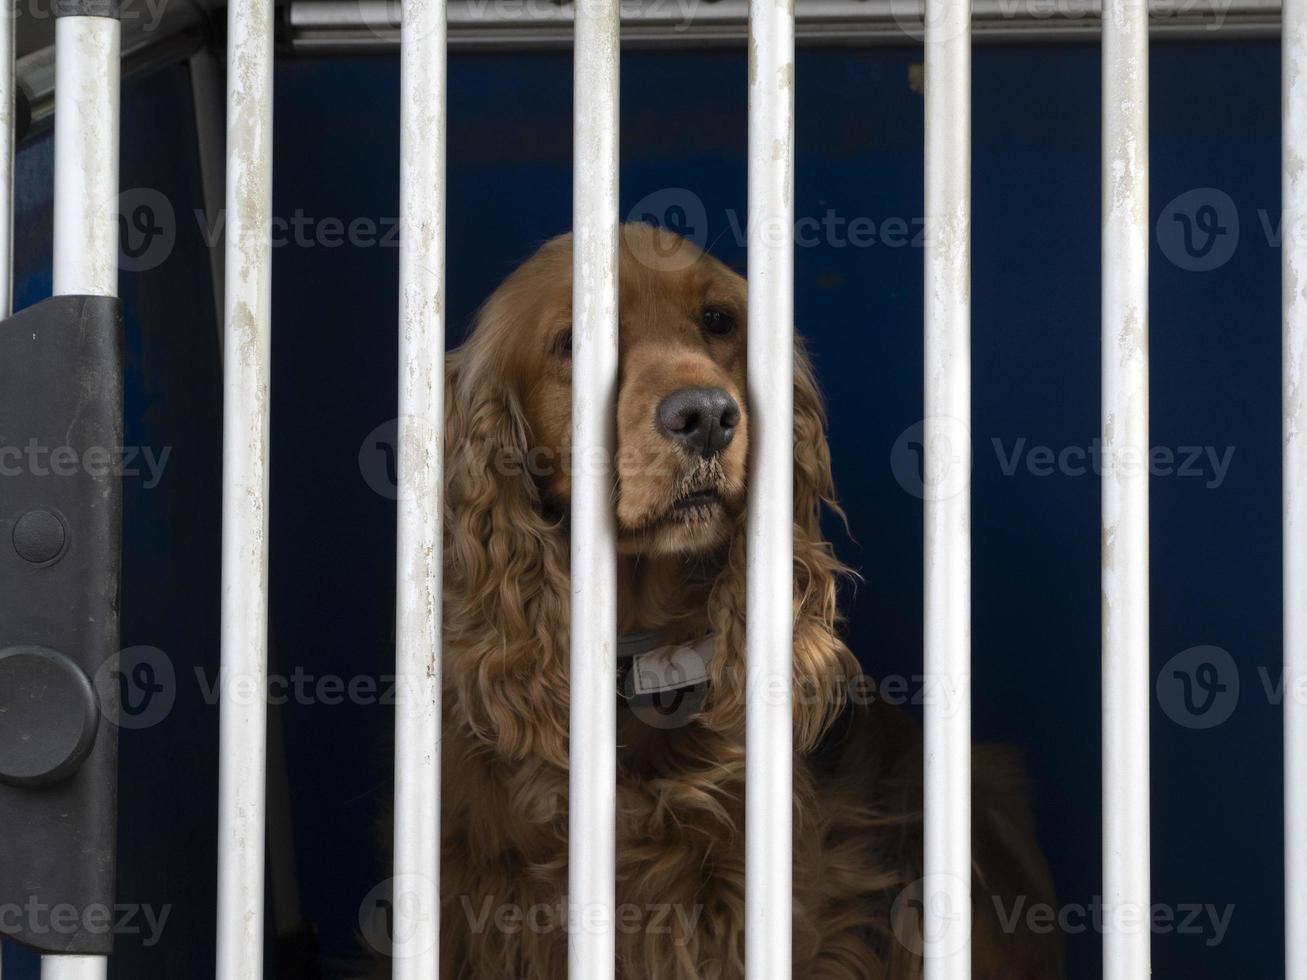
(702, 419)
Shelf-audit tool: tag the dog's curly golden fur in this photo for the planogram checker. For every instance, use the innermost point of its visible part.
(680, 832)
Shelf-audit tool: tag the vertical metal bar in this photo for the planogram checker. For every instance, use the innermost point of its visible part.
(245, 458)
(74, 967)
(946, 898)
(769, 735)
(8, 122)
(421, 459)
(86, 156)
(1294, 239)
(1126, 873)
(87, 73)
(593, 736)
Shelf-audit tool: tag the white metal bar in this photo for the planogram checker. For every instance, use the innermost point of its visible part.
(86, 156)
(769, 730)
(420, 459)
(247, 325)
(1126, 873)
(8, 91)
(593, 735)
(148, 42)
(87, 60)
(946, 887)
(74, 968)
(1294, 225)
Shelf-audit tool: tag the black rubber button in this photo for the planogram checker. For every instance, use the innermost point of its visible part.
(39, 537)
(49, 716)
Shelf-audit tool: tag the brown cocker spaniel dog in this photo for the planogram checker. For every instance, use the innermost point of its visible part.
(683, 444)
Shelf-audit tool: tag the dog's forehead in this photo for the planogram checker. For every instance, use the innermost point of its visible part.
(661, 277)
(663, 274)
(659, 291)
(658, 249)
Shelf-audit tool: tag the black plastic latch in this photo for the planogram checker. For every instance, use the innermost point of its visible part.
(61, 434)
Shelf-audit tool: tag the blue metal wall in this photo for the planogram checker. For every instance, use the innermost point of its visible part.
(1215, 386)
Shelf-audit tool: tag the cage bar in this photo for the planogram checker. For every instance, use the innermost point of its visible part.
(1126, 946)
(593, 734)
(769, 797)
(147, 44)
(74, 968)
(946, 886)
(87, 68)
(1294, 244)
(86, 156)
(416, 930)
(247, 331)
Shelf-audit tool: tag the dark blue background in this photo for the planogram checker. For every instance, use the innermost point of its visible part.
(1215, 382)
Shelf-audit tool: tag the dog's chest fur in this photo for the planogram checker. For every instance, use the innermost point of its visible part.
(680, 866)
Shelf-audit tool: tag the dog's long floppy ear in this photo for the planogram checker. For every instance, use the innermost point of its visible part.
(814, 484)
(506, 596)
(823, 665)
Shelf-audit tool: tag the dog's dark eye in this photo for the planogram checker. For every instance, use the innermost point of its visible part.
(717, 322)
(563, 344)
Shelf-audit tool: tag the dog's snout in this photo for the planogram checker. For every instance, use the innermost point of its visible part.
(702, 419)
